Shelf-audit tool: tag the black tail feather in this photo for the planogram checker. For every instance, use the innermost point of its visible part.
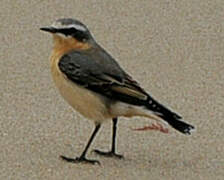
(170, 117)
(177, 124)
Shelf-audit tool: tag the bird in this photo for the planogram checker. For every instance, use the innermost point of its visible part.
(97, 87)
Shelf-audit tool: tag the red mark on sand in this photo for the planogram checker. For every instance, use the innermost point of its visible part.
(156, 127)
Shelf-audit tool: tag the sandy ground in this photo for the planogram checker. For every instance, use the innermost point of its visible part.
(175, 49)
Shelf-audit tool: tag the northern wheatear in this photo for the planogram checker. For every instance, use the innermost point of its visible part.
(94, 84)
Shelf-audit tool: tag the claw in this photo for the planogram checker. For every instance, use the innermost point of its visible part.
(108, 154)
(79, 160)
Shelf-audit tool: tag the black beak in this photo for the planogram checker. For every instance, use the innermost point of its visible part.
(48, 29)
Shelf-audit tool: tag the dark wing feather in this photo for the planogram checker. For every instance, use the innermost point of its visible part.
(79, 68)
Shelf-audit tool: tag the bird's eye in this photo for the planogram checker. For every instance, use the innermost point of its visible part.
(84, 40)
(77, 34)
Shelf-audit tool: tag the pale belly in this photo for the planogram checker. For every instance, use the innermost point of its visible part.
(86, 102)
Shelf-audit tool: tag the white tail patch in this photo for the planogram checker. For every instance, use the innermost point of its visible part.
(128, 110)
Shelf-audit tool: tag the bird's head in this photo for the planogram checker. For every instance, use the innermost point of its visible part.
(68, 29)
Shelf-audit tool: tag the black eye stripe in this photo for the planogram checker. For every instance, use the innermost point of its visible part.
(67, 31)
(79, 35)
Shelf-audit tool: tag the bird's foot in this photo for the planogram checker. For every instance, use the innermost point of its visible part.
(108, 154)
(80, 160)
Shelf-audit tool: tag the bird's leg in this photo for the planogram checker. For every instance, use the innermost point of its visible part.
(82, 158)
(112, 152)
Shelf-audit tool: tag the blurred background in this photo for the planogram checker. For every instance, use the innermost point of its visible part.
(173, 48)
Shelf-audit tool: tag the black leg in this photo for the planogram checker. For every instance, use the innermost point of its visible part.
(111, 153)
(114, 135)
(82, 158)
